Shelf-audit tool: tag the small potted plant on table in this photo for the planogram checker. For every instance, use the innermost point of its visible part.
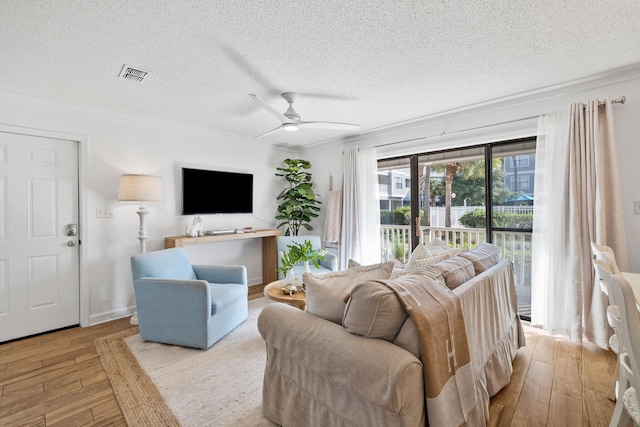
(297, 253)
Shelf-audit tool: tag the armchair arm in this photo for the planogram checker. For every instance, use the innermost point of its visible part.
(172, 310)
(331, 262)
(222, 273)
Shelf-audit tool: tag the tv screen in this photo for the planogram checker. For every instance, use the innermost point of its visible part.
(216, 192)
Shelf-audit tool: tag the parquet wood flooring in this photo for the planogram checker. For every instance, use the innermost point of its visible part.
(57, 379)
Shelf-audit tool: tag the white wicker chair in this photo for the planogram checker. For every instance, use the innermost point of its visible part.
(605, 254)
(628, 333)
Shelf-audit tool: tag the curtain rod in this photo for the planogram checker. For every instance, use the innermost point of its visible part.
(457, 131)
(620, 100)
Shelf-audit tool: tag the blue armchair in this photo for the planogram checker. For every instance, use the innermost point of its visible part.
(188, 305)
(330, 264)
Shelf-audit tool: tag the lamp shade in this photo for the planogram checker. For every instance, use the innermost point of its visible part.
(140, 188)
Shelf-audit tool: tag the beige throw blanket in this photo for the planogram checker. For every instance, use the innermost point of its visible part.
(448, 377)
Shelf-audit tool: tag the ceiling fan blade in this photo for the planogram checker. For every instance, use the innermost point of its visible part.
(329, 125)
(268, 133)
(269, 108)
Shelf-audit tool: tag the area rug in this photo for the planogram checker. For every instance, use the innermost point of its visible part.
(164, 385)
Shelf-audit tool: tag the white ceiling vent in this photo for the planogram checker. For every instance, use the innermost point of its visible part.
(132, 73)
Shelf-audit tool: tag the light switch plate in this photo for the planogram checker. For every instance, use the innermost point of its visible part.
(636, 208)
(104, 213)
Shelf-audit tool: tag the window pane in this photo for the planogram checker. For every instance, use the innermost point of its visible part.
(512, 211)
(452, 201)
(452, 189)
(394, 194)
(512, 185)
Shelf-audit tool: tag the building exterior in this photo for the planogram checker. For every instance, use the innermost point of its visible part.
(520, 171)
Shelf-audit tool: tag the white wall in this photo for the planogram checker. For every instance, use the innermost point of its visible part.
(112, 145)
(507, 119)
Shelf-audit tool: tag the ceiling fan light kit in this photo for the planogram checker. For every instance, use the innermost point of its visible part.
(290, 119)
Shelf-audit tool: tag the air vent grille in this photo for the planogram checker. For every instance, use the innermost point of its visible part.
(133, 73)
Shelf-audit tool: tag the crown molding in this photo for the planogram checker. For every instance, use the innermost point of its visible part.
(611, 77)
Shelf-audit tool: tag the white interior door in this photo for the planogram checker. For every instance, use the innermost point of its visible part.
(39, 261)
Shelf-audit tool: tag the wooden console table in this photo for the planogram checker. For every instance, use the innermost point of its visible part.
(269, 247)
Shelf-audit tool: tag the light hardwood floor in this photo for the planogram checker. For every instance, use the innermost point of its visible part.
(57, 379)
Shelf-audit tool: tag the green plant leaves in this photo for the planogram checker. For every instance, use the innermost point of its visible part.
(301, 252)
(298, 199)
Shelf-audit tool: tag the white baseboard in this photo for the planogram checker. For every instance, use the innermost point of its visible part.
(111, 315)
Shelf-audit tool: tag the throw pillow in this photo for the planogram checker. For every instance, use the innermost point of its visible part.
(484, 256)
(420, 252)
(374, 311)
(407, 337)
(326, 292)
(437, 246)
(422, 263)
(351, 264)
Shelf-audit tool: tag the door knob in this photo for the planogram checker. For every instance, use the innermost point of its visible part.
(71, 243)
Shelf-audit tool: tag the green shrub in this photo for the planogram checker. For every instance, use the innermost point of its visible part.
(478, 219)
(398, 249)
(474, 219)
(513, 220)
(385, 217)
(402, 215)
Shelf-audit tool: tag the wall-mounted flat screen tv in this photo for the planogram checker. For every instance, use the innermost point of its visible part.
(216, 192)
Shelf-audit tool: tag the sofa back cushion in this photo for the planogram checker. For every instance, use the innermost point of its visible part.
(326, 293)
(484, 256)
(374, 311)
(454, 271)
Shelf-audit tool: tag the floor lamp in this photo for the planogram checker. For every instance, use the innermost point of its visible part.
(140, 188)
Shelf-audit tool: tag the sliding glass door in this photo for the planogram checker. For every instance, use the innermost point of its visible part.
(444, 195)
(512, 212)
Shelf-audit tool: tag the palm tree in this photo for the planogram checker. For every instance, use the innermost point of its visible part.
(450, 169)
(466, 170)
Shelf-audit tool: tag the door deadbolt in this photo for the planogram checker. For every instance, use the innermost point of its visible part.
(71, 243)
(72, 229)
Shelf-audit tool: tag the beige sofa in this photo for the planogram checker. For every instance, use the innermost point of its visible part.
(367, 369)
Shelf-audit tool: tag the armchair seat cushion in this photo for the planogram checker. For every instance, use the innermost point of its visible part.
(224, 294)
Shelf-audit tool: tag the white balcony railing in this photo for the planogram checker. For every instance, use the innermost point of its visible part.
(396, 243)
(514, 246)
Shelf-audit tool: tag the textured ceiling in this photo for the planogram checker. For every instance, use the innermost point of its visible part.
(374, 63)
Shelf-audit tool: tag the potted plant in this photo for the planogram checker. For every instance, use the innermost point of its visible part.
(297, 253)
(299, 201)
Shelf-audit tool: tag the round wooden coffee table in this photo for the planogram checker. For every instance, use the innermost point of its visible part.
(272, 291)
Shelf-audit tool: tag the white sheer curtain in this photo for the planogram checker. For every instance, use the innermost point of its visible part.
(577, 201)
(549, 295)
(360, 207)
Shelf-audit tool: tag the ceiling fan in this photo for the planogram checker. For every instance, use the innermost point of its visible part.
(291, 119)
